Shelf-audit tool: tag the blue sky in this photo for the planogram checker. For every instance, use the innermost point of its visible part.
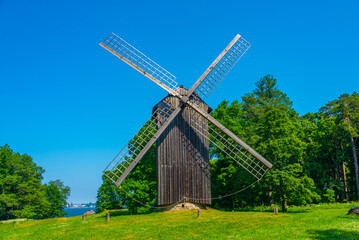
(72, 106)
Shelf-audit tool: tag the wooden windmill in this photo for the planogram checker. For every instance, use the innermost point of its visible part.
(182, 128)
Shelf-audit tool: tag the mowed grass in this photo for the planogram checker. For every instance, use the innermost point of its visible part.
(316, 222)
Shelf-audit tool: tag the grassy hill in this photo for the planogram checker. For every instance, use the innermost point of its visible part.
(315, 222)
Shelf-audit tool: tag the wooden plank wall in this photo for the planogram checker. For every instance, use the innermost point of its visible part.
(183, 158)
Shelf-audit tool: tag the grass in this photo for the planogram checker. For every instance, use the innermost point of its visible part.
(327, 221)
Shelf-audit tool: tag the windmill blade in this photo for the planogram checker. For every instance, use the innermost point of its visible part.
(137, 147)
(229, 143)
(215, 73)
(143, 64)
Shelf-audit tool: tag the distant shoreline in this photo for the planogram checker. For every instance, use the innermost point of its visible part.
(78, 207)
(77, 211)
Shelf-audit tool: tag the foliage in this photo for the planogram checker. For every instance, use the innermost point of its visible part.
(331, 158)
(310, 154)
(345, 113)
(329, 195)
(139, 186)
(108, 196)
(327, 221)
(273, 123)
(266, 121)
(21, 193)
(56, 194)
(291, 184)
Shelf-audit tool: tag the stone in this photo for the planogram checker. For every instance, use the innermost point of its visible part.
(354, 210)
(185, 206)
(90, 212)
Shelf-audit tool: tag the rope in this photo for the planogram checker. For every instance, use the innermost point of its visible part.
(231, 194)
(214, 198)
(144, 204)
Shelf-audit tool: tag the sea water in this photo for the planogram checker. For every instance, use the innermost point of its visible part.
(71, 212)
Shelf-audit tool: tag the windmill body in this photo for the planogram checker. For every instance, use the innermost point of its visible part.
(182, 128)
(183, 170)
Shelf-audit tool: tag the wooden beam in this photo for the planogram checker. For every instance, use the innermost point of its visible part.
(230, 134)
(148, 145)
(209, 69)
(146, 74)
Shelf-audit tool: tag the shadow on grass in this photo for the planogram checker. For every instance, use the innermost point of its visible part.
(121, 212)
(352, 216)
(305, 210)
(333, 234)
(271, 211)
(113, 213)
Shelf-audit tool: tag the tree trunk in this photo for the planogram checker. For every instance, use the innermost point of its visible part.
(345, 181)
(271, 201)
(355, 163)
(337, 176)
(339, 182)
(344, 172)
(284, 205)
(284, 201)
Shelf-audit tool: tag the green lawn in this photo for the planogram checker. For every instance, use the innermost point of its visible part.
(316, 222)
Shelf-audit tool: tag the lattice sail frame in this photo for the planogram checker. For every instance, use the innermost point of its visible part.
(229, 146)
(146, 66)
(130, 151)
(221, 67)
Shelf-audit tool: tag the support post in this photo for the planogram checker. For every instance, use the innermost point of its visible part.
(108, 216)
(83, 217)
(199, 213)
(275, 211)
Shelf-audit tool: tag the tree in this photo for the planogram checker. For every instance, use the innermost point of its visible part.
(349, 106)
(108, 196)
(274, 123)
(327, 154)
(266, 121)
(227, 176)
(138, 188)
(292, 186)
(345, 111)
(278, 133)
(57, 194)
(21, 191)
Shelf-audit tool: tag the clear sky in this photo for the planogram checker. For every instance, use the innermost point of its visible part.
(72, 106)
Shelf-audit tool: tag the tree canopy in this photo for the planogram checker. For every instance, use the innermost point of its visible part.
(22, 195)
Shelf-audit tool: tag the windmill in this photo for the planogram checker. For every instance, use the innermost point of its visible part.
(182, 129)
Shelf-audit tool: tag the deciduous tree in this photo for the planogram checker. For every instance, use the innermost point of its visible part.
(56, 194)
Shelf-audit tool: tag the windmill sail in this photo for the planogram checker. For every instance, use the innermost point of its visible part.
(230, 144)
(215, 73)
(139, 61)
(137, 147)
